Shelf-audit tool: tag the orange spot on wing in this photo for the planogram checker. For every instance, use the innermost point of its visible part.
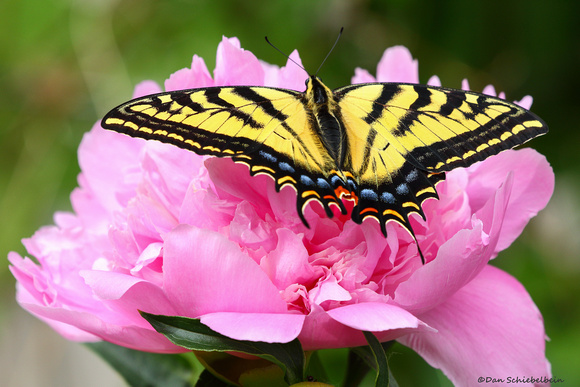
(369, 209)
(343, 193)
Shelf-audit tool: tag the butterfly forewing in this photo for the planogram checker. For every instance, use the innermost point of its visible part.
(438, 129)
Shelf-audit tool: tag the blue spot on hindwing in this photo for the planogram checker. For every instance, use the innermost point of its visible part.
(388, 198)
(268, 156)
(369, 194)
(306, 180)
(286, 167)
(351, 185)
(336, 181)
(402, 189)
(412, 176)
(322, 183)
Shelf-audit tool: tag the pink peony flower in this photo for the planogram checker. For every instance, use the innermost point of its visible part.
(163, 230)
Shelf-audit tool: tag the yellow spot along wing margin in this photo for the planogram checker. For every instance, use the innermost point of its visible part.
(265, 128)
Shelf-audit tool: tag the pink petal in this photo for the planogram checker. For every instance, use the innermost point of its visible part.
(374, 317)
(283, 206)
(321, 330)
(362, 76)
(145, 88)
(458, 260)
(397, 65)
(125, 295)
(465, 84)
(147, 257)
(288, 264)
(248, 229)
(533, 186)
(236, 66)
(451, 212)
(489, 90)
(206, 273)
(53, 284)
(434, 81)
(197, 76)
(204, 210)
(329, 289)
(490, 327)
(292, 76)
(267, 327)
(105, 180)
(144, 339)
(525, 102)
(233, 180)
(271, 73)
(28, 297)
(233, 183)
(169, 171)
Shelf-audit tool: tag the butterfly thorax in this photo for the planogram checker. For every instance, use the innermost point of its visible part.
(325, 117)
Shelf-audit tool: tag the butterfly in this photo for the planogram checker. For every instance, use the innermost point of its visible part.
(382, 145)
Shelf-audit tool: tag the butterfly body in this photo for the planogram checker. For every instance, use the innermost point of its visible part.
(325, 115)
(382, 145)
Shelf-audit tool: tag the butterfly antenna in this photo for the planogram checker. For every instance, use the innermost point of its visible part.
(287, 56)
(327, 55)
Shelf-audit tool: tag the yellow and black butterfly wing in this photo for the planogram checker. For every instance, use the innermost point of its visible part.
(399, 138)
(402, 136)
(268, 129)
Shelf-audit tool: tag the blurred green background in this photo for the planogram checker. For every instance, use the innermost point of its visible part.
(64, 63)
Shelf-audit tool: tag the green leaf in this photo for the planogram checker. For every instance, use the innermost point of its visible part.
(402, 359)
(363, 359)
(315, 369)
(192, 334)
(383, 377)
(144, 368)
(254, 372)
(207, 379)
(358, 366)
(392, 381)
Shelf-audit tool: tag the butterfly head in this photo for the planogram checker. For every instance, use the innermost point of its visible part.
(317, 92)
